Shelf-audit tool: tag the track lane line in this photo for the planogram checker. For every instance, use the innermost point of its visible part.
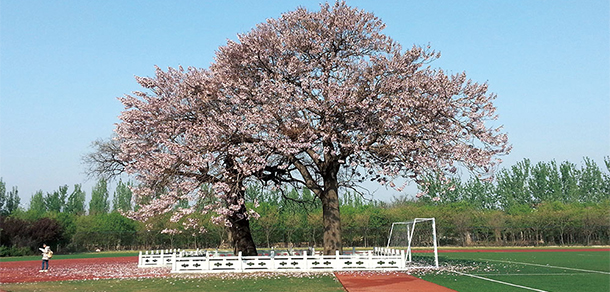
(500, 282)
(547, 266)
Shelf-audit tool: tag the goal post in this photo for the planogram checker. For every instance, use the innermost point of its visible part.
(418, 233)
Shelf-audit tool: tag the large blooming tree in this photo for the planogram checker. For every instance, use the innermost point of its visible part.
(316, 99)
(336, 99)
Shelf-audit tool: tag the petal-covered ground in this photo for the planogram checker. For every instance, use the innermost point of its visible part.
(111, 268)
(77, 269)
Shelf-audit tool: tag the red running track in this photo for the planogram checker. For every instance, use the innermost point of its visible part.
(386, 282)
(77, 269)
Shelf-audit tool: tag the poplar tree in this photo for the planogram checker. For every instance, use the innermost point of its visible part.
(99, 203)
(56, 200)
(37, 204)
(10, 201)
(122, 197)
(75, 203)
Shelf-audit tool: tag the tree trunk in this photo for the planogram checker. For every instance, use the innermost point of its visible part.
(239, 231)
(332, 221)
(242, 237)
(467, 238)
(497, 235)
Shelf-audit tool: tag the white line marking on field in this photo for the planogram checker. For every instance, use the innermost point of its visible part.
(537, 274)
(548, 266)
(500, 282)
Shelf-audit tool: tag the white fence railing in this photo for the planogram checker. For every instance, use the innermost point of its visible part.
(212, 262)
(156, 258)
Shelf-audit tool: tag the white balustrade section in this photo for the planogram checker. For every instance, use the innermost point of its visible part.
(200, 261)
(156, 258)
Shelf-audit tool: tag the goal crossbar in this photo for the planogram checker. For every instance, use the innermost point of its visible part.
(410, 231)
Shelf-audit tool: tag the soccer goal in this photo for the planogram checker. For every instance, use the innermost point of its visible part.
(418, 234)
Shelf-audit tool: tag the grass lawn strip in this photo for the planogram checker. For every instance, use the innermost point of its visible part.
(500, 282)
(305, 282)
(56, 256)
(545, 266)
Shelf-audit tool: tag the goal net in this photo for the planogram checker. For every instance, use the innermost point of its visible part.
(418, 237)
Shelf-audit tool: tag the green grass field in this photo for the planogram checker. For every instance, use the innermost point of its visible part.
(533, 271)
(473, 271)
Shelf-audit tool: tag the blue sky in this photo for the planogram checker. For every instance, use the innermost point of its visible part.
(64, 63)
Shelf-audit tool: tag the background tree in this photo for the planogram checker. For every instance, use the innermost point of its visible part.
(569, 181)
(56, 200)
(593, 219)
(37, 205)
(107, 231)
(480, 194)
(496, 221)
(436, 187)
(122, 197)
(544, 182)
(67, 224)
(461, 218)
(591, 182)
(554, 182)
(99, 203)
(9, 202)
(25, 236)
(75, 203)
(606, 186)
(339, 102)
(512, 185)
(269, 221)
(2, 195)
(46, 230)
(12, 200)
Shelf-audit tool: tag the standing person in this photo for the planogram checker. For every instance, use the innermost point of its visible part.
(46, 254)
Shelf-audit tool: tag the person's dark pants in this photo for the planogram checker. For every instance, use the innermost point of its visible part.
(45, 262)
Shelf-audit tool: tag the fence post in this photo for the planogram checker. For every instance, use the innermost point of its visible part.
(337, 264)
(207, 261)
(272, 261)
(174, 264)
(240, 264)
